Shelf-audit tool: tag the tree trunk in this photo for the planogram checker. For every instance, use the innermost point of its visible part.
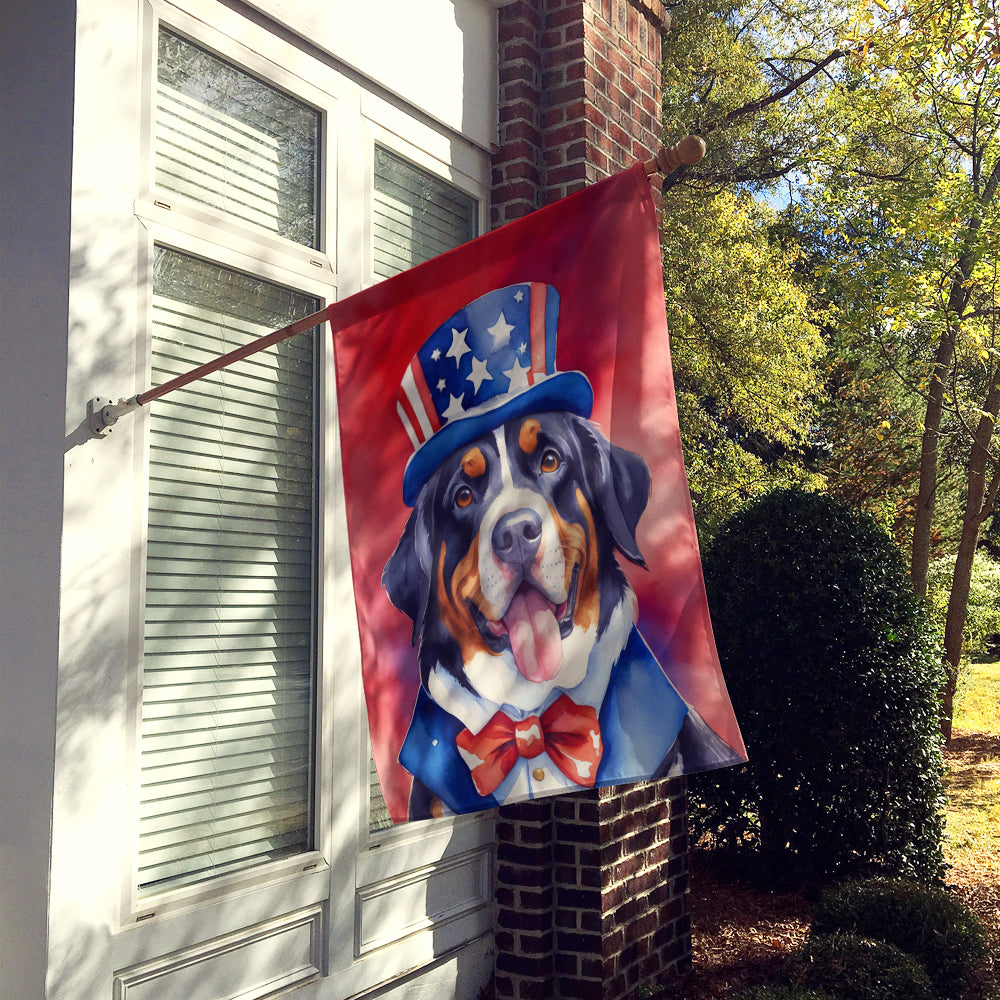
(920, 553)
(958, 299)
(980, 498)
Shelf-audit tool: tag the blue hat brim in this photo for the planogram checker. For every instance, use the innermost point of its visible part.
(569, 391)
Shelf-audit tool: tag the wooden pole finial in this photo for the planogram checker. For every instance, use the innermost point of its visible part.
(668, 158)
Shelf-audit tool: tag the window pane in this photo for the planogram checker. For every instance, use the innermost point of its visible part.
(416, 216)
(228, 658)
(228, 140)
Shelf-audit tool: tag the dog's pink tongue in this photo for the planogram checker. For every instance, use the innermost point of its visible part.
(534, 635)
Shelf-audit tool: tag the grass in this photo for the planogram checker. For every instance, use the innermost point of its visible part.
(972, 848)
(978, 698)
(973, 783)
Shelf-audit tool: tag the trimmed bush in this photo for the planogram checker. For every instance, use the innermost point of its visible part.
(833, 673)
(925, 922)
(856, 968)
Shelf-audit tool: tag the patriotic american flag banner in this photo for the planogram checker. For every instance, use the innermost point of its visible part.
(528, 587)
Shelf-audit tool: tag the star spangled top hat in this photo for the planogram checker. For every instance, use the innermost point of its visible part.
(495, 359)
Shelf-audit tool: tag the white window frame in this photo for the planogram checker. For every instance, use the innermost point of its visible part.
(352, 876)
(180, 224)
(195, 244)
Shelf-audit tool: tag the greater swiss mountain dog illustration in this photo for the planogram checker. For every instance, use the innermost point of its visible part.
(534, 676)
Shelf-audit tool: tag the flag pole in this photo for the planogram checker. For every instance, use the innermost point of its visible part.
(687, 152)
(103, 413)
(260, 344)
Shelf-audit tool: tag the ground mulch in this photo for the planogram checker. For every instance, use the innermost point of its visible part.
(982, 895)
(742, 934)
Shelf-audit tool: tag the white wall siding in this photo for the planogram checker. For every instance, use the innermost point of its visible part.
(438, 56)
(36, 107)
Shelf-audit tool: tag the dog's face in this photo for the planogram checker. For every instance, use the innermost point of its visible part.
(507, 565)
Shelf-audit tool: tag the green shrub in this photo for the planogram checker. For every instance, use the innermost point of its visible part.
(925, 922)
(856, 968)
(833, 673)
(782, 993)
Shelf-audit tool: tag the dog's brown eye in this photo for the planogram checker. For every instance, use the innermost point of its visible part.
(463, 497)
(550, 461)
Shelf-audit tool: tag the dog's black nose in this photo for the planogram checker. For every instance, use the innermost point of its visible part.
(516, 537)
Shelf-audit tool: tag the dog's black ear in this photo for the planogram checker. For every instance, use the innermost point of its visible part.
(621, 483)
(407, 574)
(630, 484)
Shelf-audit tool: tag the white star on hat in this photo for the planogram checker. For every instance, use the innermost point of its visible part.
(500, 331)
(458, 345)
(455, 408)
(480, 373)
(518, 376)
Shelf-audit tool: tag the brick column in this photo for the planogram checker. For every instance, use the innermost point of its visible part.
(524, 902)
(591, 888)
(517, 160)
(579, 96)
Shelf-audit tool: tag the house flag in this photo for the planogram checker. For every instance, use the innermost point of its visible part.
(529, 593)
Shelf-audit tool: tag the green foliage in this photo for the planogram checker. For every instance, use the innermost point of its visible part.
(746, 355)
(649, 991)
(877, 127)
(833, 672)
(867, 430)
(983, 613)
(782, 993)
(738, 73)
(745, 343)
(924, 921)
(856, 968)
(903, 207)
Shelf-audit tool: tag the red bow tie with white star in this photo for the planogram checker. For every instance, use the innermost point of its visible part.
(569, 733)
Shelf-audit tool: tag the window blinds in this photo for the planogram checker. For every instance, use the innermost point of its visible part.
(227, 681)
(227, 140)
(416, 216)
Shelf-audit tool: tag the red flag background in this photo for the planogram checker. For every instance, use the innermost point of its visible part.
(600, 249)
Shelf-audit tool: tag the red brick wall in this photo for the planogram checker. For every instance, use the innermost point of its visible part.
(629, 848)
(579, 96)
(591, 893)
(591, 889)
(524, 902)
